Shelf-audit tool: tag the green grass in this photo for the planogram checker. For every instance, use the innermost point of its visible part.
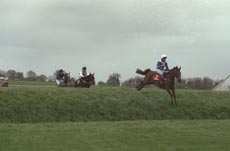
(130, 120)
(166, 135)
(31, 83)
(23, 104)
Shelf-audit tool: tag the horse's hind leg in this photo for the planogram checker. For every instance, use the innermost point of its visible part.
(140, 86)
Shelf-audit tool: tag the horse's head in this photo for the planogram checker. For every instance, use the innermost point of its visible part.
(67, 77)
(177, 73)
(91, 78)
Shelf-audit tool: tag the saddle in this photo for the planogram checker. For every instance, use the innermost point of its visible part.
(157, 77)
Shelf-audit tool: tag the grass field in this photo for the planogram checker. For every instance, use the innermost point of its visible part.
(164, 135)
(23, 104)
(37, 118)
(31, 83)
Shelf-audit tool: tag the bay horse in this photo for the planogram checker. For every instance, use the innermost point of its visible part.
(167, 83)
(65, 81)
(85, 82)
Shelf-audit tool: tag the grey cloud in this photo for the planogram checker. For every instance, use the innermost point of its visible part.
(113, 35)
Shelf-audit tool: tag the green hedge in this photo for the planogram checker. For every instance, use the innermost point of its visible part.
(51, 104)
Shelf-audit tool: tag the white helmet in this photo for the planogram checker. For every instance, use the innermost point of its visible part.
(163, 56)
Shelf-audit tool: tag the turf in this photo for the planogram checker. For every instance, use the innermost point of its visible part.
(164, 135)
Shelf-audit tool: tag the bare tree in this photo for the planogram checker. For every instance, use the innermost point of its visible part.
(114, 79)
(11, 74)
(199, 83)
(132, 81)
(182, 84)
(2, 73)
(101, 83)
(51, 78)
(42, 78)
(20, 75)
(208, 83)
(31, 75)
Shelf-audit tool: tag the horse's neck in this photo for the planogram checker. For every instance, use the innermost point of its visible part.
(66, 79)
(170, 74)
(152, 72)
(86, 78)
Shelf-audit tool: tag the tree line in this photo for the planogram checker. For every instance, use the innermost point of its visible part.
(188, 83)
(30, 75)
(113, 80)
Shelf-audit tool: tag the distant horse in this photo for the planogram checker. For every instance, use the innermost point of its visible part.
(5, 83)
(65, 81)
(168, 82)
(85, 82)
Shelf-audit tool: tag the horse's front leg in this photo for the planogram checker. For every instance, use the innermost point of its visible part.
(174, 96)
(171, 95)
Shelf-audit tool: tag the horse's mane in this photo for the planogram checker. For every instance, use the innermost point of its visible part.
(171, 70)
(86, 77)
(66, 75)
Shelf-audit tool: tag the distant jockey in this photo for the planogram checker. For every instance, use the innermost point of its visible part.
(83, 73)
(60, 76)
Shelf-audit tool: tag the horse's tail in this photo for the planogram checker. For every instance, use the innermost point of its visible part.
(139, 71)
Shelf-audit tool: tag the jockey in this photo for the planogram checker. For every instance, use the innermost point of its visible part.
(162, 65)
(83, 73)
(60, 76)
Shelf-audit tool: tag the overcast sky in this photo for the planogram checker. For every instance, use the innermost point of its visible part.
(119, 36)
